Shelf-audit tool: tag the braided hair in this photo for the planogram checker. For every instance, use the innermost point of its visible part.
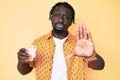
(65, 4)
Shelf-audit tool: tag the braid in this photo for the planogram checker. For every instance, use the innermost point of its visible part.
(65, 4)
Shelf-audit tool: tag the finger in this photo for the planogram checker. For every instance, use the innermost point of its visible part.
(77, 33)
(23, 52)
(22, 55)
(23, 59)
(69, 56)
(84, 32)
(81, 31)
(89, 36)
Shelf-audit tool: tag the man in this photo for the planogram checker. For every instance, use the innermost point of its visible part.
(60, 55)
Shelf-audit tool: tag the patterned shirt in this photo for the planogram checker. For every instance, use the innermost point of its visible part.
(44, 58)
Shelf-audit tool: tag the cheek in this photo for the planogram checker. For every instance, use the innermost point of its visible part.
(68, 23)
(53, 21)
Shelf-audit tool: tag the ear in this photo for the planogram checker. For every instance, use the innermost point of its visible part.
(50, 17)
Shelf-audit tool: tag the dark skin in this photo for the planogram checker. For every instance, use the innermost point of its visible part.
(61, 20)
(23, 66)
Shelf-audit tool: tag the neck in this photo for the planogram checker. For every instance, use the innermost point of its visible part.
(60, 35)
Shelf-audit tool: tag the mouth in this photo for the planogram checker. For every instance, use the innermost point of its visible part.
(60, 26)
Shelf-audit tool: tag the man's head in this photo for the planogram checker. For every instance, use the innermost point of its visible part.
(61, 15)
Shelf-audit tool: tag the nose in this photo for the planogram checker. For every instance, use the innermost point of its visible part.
(61, 19)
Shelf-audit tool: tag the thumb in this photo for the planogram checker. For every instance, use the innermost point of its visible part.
(70, 55)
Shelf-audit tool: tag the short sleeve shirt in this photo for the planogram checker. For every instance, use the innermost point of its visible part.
(44, 59)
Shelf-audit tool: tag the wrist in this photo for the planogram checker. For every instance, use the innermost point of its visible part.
(90, 58)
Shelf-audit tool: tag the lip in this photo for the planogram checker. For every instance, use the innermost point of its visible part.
(60, 25)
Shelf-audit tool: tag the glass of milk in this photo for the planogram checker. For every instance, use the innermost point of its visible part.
(32, 52)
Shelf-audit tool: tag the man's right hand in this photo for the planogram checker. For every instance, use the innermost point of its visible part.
(23, 55)
(23, 61)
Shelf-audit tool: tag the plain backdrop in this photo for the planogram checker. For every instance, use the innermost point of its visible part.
(22, 21)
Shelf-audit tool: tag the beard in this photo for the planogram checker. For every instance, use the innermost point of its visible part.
(57, 31)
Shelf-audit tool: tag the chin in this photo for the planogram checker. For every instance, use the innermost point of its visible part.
(58, 31)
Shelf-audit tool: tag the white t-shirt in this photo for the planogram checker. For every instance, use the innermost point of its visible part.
(59, 70)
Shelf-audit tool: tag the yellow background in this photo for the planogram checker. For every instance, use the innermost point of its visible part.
(21, 21)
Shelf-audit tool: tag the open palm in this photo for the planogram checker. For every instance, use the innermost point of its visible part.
(84, 44)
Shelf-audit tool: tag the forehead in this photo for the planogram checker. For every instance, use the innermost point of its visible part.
(62, 9)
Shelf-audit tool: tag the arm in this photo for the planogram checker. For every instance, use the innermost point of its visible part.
(23, 63)
(95, 62)
(85, 48)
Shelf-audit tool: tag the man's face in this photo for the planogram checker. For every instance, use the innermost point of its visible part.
(61, 19)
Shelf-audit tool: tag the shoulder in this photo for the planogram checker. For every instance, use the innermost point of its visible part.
(41, 39)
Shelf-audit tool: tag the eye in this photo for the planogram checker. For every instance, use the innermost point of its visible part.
(65, 17)
(58, 16)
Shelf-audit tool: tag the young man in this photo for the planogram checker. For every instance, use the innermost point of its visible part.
(60, 55)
